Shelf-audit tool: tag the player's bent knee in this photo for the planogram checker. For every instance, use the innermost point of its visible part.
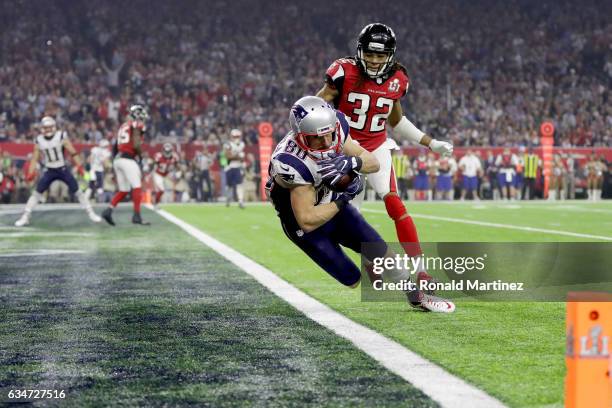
(395, 207)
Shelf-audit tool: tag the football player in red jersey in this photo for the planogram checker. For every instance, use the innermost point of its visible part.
(367, 88)
(165, 160)
(127, 149)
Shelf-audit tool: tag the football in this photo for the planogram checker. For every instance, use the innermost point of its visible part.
(344, 182)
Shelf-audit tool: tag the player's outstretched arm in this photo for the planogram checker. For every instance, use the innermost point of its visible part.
(308, 215)
(406, 129)
(369, 161)
(327, 93)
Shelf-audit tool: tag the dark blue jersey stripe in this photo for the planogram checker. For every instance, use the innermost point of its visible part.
(297, 164)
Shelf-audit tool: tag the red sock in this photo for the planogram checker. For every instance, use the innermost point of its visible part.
(404, 226)
(119, 195)
(408, 236)
(158, 196)
(137, 198)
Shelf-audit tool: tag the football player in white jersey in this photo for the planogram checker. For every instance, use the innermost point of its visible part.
(99, 159)
(234, 174)
(51, 144)
(311, 194)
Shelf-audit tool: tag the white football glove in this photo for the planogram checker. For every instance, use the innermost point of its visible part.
(443, 148)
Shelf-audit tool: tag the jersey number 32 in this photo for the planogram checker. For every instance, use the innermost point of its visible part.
(363, 100)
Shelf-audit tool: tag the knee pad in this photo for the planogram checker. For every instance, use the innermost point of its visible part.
(395, 206)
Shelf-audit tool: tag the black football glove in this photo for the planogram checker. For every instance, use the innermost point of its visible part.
(332, 170)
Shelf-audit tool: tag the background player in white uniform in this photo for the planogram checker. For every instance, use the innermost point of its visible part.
(99, 160)
(234, 175)
(51, 143)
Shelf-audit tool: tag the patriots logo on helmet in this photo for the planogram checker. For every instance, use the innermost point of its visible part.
(299, 113)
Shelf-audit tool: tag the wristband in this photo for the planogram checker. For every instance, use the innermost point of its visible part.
(358, 163)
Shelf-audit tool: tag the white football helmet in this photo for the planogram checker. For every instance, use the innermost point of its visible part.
(167, 149)
(48, 126)
(312, 120)
(138, 112)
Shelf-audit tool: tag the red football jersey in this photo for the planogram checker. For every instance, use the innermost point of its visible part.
(163, 164)
(365, 101)
(125, 142)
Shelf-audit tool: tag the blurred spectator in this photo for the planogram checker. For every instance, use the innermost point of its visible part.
(470, 170)
(208, 66)
(531, 163)
(401, 167)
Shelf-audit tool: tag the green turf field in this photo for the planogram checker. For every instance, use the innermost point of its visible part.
(147, 316)
(514, 351)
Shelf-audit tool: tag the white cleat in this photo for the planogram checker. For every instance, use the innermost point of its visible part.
(430, 303)
(94, 217)
(23, 221)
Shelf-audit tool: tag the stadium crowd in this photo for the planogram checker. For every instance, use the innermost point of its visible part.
(507, 175)
(482, 73)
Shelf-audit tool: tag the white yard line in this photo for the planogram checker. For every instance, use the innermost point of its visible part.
(25, 233)
(497, 225)
(40, 252)
(446, 389)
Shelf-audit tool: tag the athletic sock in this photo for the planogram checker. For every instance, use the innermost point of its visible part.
(119, 195)
(408, 236)
(158, 196)
(137, 198)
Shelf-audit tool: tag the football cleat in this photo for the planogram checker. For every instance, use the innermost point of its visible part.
(94, 217)
(108, 216)
(137, 219)
(23, 221)
(429, 303)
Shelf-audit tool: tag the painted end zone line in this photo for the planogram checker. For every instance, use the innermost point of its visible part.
(444, 388)
(496, 225)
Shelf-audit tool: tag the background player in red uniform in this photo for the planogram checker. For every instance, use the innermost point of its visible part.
(127, 170)
(165, 160)
(367, 88)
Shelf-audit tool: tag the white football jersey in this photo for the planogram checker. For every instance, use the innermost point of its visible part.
(98, 156)
(53, 149)
(237, 148)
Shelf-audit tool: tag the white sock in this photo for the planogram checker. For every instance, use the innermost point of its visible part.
(84, 201)
(240, 192)
(32, 202)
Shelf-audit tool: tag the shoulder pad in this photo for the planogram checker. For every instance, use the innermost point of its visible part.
(402, 75)
(292, 170)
